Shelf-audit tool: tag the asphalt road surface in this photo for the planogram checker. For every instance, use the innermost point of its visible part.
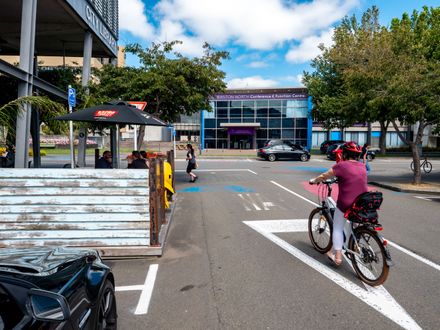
(238, 257)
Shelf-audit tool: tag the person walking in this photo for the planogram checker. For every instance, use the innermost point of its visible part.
(191, 158)
(364, 159)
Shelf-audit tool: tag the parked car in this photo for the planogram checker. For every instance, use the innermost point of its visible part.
(272, 142)
(283, 151)
(331, 152)
(327, 143)
(56, 288)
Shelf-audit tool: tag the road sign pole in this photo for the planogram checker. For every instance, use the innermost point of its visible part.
(135, 142)
(72, 102)
(72, 155)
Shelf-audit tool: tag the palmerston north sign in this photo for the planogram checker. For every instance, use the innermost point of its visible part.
(96, 23)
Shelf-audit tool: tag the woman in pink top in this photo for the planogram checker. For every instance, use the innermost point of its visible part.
(352, 181)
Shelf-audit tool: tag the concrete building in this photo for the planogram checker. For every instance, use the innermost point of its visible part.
(30, 29)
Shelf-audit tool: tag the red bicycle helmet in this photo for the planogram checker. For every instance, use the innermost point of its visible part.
(351, 150)
(351, 147)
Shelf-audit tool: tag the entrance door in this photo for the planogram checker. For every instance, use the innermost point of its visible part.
(241, 142)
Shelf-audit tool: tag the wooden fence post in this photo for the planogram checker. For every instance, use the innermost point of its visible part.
(154, 214)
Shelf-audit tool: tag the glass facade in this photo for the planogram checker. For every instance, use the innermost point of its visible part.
(246, 121)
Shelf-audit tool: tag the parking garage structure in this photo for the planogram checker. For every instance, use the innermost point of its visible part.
(32, 28)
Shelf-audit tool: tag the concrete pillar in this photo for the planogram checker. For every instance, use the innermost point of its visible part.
(27, 47)
(87, 61)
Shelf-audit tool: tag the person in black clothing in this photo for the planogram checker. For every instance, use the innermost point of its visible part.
(105, 161)
(191, 158)
(136, 161)
(363, 157)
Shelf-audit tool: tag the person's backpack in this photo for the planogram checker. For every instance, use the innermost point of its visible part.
(364, 208)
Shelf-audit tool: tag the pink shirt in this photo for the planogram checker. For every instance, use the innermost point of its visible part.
(352, 181)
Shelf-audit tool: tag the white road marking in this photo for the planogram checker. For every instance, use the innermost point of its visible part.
(408, 252)
(129, 288)
(376, 297)
(268, 205)
(252, 172)
(416, 256)
(146, 288)
(294, 193)
(246, 203)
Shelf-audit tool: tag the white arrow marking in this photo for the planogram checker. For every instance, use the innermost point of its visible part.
(377, 297)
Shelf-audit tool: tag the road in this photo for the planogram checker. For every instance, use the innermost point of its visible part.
(233, 260)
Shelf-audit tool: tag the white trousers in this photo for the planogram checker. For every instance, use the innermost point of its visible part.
(338, 229)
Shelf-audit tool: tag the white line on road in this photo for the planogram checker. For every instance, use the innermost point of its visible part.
(294, 193)
(408, 252)
(378, 298)
(146, 288)
(144, 299)
(252, 172)
(412, 254)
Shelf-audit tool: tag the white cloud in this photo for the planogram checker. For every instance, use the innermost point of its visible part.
(258, 64)
(258, 24)
(132, 18)
(251, 82)
(308, 47)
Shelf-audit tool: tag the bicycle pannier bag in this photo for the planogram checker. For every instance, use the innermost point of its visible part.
(364, 208)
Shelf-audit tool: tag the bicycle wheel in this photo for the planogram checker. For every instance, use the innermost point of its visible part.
(427, 167)
(369, 262)
(320, 230)
(412, 166)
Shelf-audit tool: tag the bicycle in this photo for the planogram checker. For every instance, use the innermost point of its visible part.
(425, 165)
(363, 245)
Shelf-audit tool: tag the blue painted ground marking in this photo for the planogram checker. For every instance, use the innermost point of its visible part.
(205, 189)
(308, 169)
(238, 189)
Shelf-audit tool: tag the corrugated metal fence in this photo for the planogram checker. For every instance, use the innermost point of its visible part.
(79, 207)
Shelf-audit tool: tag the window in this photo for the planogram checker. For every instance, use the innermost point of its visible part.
(288, 123)
(210, 114)
(222, 144)
(274, 134)
(278, 148)
(262, 134)
(274, 123)
(301, 112)
(209, 133)
(248, 112)
(209, 123)
(263, 122)
(222, 104)
(289, 112)
(301, 134)
(235, 112)
(275, 112)
(210, 144)
(222, 112)
(288, 133)
(275, 103)
(301, 123)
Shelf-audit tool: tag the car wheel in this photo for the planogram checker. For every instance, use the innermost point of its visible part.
(369, 158)
(272, 158)
(304, 158)
(107, 315)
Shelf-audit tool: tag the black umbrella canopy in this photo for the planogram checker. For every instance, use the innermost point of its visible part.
(115, 112)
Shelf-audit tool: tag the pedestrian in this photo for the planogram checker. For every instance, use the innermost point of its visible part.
(105, 161)
(364, 159)
(191, 158)
(136, 160)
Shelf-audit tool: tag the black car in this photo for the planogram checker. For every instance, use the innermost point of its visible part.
(331, 152)
(273, 142)
(283, 151)
(56, 288)
(328, 143)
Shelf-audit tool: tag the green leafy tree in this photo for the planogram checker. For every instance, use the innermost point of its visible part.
(171, 84)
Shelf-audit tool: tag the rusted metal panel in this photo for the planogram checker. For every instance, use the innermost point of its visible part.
(115, 225)
(81, 207)
(75, 242)
(85, 191)
(88, 209)
(67, 173)
(74, 183)
(72, 200)
(73, 217)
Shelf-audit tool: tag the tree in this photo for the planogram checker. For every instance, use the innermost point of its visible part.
(170, 83)
(415, 89)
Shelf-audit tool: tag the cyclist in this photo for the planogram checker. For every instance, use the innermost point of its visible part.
(352, 181)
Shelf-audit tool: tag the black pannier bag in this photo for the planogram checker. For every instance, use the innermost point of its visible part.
(364, 208)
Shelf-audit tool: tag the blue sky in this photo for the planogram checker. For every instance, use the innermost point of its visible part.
(271, 42)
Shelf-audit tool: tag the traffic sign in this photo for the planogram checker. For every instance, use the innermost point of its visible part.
(139, 105)
(71, 97)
